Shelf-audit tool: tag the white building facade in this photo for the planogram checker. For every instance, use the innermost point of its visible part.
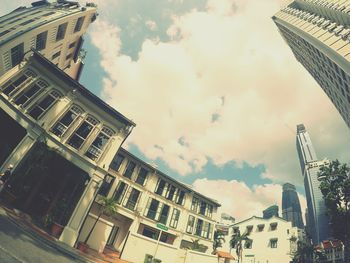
(156, 216)
(272, 240)
(319, 35)
(53, 29)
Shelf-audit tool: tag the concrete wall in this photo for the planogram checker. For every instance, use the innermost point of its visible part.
(194, 256)
(144, 245)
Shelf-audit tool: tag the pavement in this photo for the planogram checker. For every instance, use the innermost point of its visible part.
(23, 242)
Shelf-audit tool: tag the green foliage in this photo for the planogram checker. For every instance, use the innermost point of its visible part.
(196, 246)
(219, 239)
(307, 253)
(236, 242)
(335, 187)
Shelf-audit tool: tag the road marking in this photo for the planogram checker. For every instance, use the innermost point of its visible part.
(11, 255)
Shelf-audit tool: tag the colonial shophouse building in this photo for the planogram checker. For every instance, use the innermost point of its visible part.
(63, 141)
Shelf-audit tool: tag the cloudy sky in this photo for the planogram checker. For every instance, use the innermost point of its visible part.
(215, 92)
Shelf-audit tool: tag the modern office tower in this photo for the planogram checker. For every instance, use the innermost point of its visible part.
(291, 210)
(318, 224)
(53, 29)
(319, 36)
(270, 212)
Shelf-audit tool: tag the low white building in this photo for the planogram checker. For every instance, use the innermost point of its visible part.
(272, 240)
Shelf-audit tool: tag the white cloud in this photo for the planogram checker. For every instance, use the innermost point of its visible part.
(152, 25)
(174, 89)
(238, 200)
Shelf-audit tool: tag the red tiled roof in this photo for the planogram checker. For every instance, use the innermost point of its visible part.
(222, 254)
(328, 244)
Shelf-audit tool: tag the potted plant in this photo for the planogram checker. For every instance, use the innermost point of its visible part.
(58, 218)
(107, 206)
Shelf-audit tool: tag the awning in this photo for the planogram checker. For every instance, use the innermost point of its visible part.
(222, 254)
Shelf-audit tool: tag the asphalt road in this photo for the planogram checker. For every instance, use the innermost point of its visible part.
(18, 247)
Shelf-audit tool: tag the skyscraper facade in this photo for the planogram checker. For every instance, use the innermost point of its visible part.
(53, 29)
(318, 34)
(291, 210)
(317, 218)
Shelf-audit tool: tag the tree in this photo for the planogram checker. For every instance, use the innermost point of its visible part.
(218, 240)
(196, 246)
(335, 187)
(307, 253)
(108, 206)
(236, 242)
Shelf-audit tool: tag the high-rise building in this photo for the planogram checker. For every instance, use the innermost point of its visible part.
(318, 221)
(319, 36)
(291, 210)
(53, 29)
(270, 212)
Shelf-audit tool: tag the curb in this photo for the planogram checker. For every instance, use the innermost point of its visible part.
(47, 242)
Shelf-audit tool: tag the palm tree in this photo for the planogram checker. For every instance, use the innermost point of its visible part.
(108, 206)
(236, 242)
(218, 240)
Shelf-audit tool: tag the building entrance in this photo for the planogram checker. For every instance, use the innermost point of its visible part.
(47, 186)
(11, 133)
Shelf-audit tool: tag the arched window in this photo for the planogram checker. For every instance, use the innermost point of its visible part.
(99, 143)
(44, 104)
(81, 134)
(30, 92)
(11, 86)
(62, 125)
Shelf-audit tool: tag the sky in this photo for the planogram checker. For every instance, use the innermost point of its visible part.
(215, 92)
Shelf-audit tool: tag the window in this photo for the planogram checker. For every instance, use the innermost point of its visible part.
(99, 143)
(273, 226)
(175, 218)
(40, 108)
(27, 95)
(160, 187)
(116, 162)
(4, 32)
(63, 124)
(17, 53)
(248, 244)
(150, 232)
(79, 24)
(132, 198)
(180, 197)
(273, 243)
(69, 56)
(119, 193)
(194, 205)
(202, 208)
(141, 177)
(163, 218)
(14, 85)
(61, 31)
(261, 227)
(41, 41)
(106, 185)
(199, 227)
(209, 210)
(129, 169)
(71, 45)
(80, 135)
(249, 229)
(170, 192)
(27, 22)
(152, 207)
(57, 54)
(190, 224)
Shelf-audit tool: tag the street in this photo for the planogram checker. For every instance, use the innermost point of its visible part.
(16, 246)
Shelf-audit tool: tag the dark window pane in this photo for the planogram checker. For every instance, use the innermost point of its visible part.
(129, 169)
(41, 41)
(17, 53)
(164, 214)
(57, 54)
(117, 161)
(61, 31)
(11, 87)
(27, 95)
(106, 185)
(152, 211)
(79, 24)
(141, 177)
(160, 187)
(119, 193)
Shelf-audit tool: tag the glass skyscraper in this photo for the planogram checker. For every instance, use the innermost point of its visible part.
(318, 222)
(318, 33)
(291, 210)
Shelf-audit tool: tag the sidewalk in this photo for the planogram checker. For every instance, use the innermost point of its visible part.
(23, 221)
